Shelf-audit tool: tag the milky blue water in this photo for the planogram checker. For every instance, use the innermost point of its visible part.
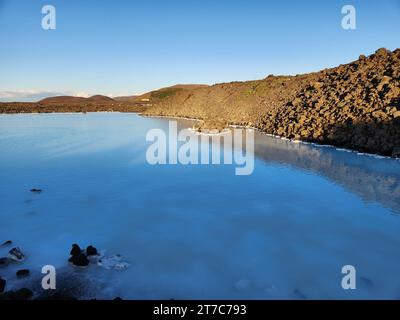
(197, 231)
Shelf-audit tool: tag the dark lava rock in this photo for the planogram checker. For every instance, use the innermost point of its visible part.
(36, 190)
(2, 285)
(79, 260)
(24, 294)
(4, 262)
(7, 243)
(16, 254)
(21, 294)
(23, 273)
(76, 250)
(91, 251)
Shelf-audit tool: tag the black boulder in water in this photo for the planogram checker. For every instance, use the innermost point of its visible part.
(91, 251)
(76, 250)
(4, 262)
(7, 243)
(23, 273)
(79, 260)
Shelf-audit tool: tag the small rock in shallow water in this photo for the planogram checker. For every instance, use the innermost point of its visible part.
(21, 294)
(80, 260)
(2, 285)
(76, 250)
(7, 243)
(34, 190)
(91, 251)
(23, 273)
(4, 262)
(16, 254)
(24, 294)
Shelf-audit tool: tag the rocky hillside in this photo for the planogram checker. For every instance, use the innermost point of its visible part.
(162, 93)
(356, 105)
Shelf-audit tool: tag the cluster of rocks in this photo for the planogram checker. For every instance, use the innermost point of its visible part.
(82, 258)
(15, 255)
(79, 257)
(356, 105)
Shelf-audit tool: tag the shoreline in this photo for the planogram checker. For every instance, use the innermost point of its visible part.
(296, 141)
(316, 144)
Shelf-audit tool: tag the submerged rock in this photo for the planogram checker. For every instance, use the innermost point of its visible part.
(91, 251)
(21, 294)
(79, 260)
(16, 254)
(4, 262)
(6, 243)
(23, 273)
(24, 294)
(3, 283)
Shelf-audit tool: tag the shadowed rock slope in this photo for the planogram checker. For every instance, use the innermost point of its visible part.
(356, 105)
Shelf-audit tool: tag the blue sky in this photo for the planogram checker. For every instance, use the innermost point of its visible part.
(128, 47)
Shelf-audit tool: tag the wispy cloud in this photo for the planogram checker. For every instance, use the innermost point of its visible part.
(82, 94)
(26, 95)
(35, 95)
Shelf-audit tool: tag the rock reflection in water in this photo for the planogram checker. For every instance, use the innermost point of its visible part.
(371, 178)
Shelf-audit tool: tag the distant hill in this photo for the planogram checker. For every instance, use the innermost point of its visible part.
(76, 100)
(100, 98)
